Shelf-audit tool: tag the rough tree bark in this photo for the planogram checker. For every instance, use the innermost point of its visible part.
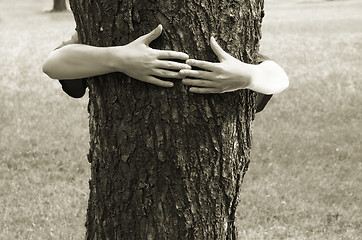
(59, 5)
(167, 164)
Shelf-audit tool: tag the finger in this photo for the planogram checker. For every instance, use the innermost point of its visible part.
(158, 82)
(203, 90)
(220, 53)
(168, 54)
(154, 34)
(171, 65)
(202, 64)
(166, 73)
(196, 74)
(199, 83)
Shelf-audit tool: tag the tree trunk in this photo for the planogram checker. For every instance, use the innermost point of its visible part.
(167, 164)
(59, 5)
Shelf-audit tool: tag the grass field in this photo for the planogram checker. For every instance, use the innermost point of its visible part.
(304, 181)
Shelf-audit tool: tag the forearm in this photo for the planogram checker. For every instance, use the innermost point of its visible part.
(76, 61)
(268, 78)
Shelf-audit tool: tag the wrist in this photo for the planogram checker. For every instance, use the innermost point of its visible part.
(114, 58)
(268, 78)
(253, 77)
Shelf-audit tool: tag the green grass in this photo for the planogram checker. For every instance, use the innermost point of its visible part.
(304, 181)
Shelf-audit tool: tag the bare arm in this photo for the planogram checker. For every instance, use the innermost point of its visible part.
(135, 59)
(76, 61)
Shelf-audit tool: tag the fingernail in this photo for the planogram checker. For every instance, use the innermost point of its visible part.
(185, 56)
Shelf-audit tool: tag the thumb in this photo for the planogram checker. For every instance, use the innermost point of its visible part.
(154, 34)
(220, 53)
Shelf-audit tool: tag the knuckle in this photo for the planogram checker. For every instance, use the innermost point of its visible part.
(148, 58)
(162, 72)
(152, 55)
(199, 74)
(170, 65)
(169, 54)
(219, 66)
(156, 72)
(218, 77)
(165, 72)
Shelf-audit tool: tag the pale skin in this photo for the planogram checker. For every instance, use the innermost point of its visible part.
(145, 64)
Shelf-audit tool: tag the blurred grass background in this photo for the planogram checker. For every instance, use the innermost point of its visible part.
(304, 181)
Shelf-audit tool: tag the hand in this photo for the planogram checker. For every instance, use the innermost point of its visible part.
(143, 63)
(229, 75)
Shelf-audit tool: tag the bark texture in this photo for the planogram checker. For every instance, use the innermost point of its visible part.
(167, 164)
(59, 5)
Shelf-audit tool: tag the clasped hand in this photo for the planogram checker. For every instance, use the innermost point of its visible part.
(150, 65)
